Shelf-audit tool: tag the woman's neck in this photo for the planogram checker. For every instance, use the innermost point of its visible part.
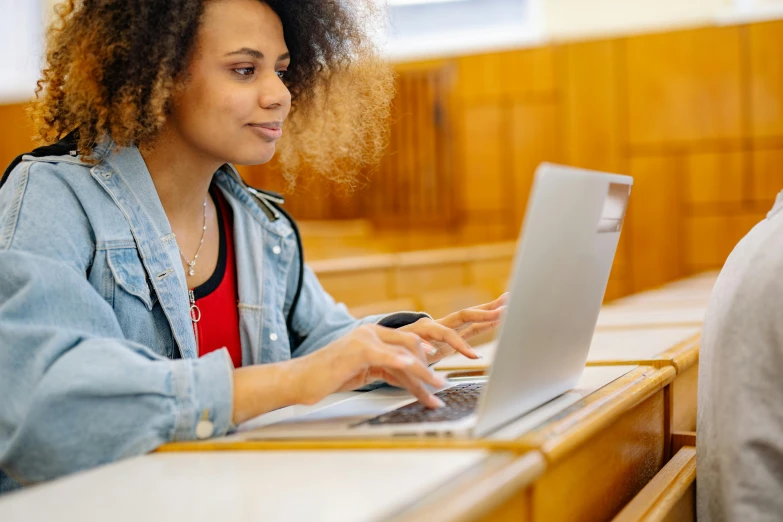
(181, 175)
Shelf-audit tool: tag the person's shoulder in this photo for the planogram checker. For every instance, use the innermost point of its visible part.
(750, 285)
(43, 200)
(52, 171)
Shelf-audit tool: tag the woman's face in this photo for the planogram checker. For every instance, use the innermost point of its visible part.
(234, 102)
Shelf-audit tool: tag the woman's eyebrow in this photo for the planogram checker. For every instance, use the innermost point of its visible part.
(247, 50)
(258, 55)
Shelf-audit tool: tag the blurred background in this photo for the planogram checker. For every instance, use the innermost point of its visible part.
(686, 96)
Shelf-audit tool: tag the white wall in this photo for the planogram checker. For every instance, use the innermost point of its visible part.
(21, 45)
(566, 19)
(577, 19)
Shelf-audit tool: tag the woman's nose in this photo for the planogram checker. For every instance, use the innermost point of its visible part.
(274, 94)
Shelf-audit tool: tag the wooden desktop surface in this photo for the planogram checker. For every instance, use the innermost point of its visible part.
(326, 486)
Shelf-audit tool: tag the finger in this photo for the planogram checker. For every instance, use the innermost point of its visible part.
(393, 357)
(478, 328)
(411, 341)
(417, 389)
(472, 315)
(497, 303)
(437, 332)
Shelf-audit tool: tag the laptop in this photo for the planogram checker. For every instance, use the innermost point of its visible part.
(561, 269)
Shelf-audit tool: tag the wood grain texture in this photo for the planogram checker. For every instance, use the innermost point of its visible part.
(654, 221)
(670, 495)
(708, 240)
(592, 105)
(494, 491)
(359, 287)
(601, 475)
(484, 180)
(680, 356)
(684, 86)
(16, 131)
(683, 356)
(716, 178)
(767, 178)
(684, 390)
(766, 78)
(534, 138)
(573, 426)
(682, 438)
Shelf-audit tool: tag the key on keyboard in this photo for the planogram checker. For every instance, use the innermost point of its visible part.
(460, 401)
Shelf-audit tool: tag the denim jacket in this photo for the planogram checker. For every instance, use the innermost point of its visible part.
(98, 359)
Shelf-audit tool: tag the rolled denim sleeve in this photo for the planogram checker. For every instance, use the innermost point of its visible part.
(75, 393)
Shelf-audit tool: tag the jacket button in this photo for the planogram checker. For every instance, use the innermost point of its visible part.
(273, 336)
(204, 429)
(276, 249)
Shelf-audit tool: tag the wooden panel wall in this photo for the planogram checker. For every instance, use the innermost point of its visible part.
(696, 116)
(16, 133)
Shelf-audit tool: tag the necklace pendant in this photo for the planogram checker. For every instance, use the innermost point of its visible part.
(191, 272)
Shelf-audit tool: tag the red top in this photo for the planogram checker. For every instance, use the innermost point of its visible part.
(217, 298)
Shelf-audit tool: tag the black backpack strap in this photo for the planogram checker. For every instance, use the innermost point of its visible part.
(64, 147)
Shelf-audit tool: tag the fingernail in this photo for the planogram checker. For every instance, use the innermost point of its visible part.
(440, 380)
(429, 349)
(439, 402)
(478, 356)
(406, 360)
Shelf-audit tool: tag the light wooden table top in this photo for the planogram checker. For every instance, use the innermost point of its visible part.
(622, 318)
(339, 486)
(640, 346)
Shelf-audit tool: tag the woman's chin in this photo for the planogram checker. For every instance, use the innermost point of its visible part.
(255, 157)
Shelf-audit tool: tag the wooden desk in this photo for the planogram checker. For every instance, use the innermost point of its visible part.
(499, 496)
(624, 317)
(599, 453)
(638, 346)
(602, 450)
(677, 347)
(602, 442)
(241, 486)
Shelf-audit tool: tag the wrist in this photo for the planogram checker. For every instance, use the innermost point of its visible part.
(292, 381)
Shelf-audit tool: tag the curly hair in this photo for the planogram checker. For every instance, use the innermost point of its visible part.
(112, 67)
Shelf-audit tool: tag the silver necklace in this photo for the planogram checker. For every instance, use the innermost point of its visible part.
(192, 264)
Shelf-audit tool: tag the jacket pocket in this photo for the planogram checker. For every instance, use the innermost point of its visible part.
(129, 274)
(251, 324)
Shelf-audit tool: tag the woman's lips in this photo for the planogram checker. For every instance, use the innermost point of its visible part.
(268, 131)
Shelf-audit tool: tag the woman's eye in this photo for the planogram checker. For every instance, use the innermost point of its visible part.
(245, 71)
(281, 74)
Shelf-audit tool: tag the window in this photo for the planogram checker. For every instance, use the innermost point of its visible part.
(21, 45)
(420, 28)
(749, 10)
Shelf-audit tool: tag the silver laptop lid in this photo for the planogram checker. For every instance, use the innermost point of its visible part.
(561, 269)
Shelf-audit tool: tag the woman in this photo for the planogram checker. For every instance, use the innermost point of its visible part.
(140, 272)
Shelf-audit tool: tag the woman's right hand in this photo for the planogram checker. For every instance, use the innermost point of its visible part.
(369, 353)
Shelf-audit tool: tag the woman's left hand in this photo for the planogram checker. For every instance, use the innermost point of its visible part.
(445, 336)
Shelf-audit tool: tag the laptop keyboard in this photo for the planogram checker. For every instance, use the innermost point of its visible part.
(460, 401)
